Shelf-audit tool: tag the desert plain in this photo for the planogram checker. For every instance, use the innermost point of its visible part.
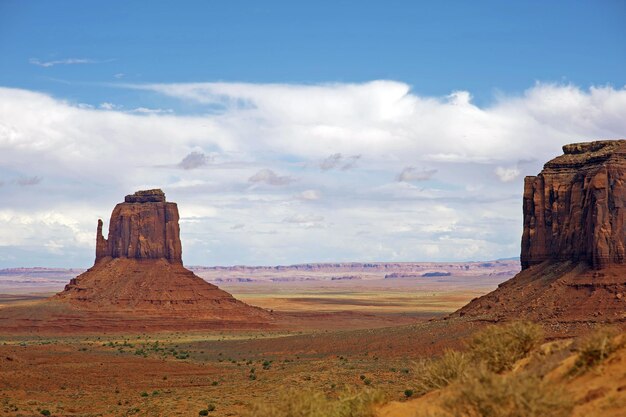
(336, 325)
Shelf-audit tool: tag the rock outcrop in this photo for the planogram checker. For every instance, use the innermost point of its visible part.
(573, 242)
(144, 226)
(139, 272)
(574, 210)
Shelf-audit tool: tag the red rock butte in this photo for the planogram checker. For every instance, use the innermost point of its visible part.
(138, 282)
(573, 242)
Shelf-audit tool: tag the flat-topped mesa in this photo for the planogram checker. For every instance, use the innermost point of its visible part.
(145, 226)
(574, 210)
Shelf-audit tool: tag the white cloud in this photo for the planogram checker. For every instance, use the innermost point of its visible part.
(268, 176)
(109, 106)
(66, 61)
(507, 174)
(145, 110)
(338, 161)
(273, 134)
(194, 160)
(309, 195)
(409, 174)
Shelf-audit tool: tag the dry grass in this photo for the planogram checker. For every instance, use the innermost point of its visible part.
(495, 348)
(484, 393)
(295, 403)
(439, 373)
(499, 347)
(594, 349)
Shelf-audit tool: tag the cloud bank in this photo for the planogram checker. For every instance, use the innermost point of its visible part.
(372, 170)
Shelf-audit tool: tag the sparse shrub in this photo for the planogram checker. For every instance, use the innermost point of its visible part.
(499, 347)
(144, 394)
(292, 403)
(204, 412)
(439, 373)
(367, 381)
(593, 349)
(211, 407)
(484, 393)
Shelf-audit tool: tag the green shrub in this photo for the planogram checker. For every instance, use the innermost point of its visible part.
(292, 403)
(483, 393)
(45, 412)
(203, 412)
(499, 347)
(408, 393)
(438, 373)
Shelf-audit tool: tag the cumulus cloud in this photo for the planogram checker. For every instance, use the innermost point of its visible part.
(309, 195)
(66, 61)
(194, 160)
(409, 174)
(507, 174)
(91, 157)
(338, 161)
(109, 106)
(269, 177)
(331, 162)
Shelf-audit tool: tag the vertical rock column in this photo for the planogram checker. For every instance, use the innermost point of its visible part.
(145, 226)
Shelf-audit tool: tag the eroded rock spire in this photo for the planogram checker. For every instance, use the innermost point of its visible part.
(144, 226)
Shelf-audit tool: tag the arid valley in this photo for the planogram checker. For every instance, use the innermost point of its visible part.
(326, 338)
(312, 209)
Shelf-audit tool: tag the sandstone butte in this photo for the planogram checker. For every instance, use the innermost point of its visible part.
(573, 243)
(138, 281)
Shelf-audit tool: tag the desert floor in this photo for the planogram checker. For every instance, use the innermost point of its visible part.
(331, 334)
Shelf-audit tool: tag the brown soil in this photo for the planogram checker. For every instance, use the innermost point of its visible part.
(557, 292)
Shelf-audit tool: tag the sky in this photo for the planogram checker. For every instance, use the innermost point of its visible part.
(292, 132)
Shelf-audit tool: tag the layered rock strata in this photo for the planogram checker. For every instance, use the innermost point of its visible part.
(574, 209)
(144, 226)
(573, 242)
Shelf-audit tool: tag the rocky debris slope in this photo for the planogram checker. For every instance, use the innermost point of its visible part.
(573, 256)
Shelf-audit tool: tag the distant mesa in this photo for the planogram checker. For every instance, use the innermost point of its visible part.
(436, 274)
(573, 243)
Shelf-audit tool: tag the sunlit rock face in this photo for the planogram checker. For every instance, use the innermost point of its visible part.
(144, 226)
(574, 208)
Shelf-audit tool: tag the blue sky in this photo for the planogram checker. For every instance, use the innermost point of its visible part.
(436, 47)
(295, 132)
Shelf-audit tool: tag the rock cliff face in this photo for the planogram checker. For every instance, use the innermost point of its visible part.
(574, 210)
(145, 226)
(573, 244)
